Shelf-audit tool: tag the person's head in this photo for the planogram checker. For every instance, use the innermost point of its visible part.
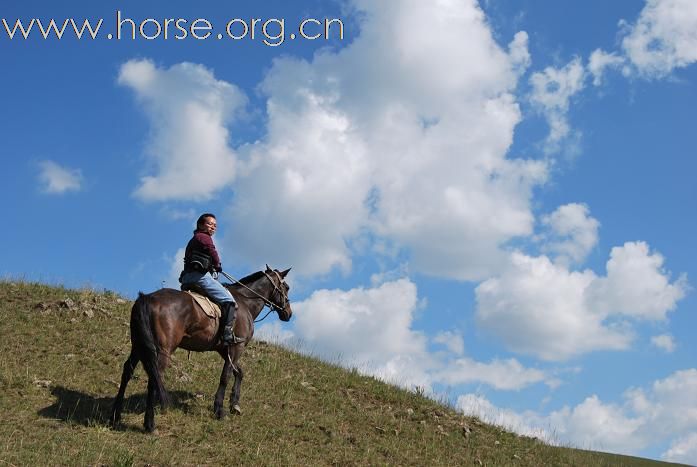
(207, 223)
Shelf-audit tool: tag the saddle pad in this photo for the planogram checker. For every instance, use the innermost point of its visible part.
(209, 308)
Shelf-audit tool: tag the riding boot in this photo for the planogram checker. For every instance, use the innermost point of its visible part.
(230, 315)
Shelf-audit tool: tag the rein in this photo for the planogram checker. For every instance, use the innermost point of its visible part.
(262, 319)
(272, 306)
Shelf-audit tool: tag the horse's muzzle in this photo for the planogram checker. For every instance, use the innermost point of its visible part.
(286, 313)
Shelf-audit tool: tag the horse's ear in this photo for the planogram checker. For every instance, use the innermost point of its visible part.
(285, 273)
(268, 268)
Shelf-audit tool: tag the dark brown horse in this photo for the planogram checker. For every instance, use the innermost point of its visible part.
(167, 319)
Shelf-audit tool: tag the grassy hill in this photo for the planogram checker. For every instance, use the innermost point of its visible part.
(61, 354)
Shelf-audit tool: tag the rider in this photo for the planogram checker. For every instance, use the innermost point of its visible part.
(200, 260)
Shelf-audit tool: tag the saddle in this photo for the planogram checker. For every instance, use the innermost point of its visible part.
(209, 307)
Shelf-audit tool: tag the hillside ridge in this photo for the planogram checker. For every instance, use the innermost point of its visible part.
(60, 362)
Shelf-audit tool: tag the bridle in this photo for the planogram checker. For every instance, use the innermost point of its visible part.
(276, 288)
(272, 306)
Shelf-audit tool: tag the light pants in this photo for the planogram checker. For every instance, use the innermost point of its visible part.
(212, 287)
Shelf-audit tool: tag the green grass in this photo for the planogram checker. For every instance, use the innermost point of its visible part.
(61, 355)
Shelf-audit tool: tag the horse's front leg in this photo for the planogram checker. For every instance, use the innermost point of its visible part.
(235, 393)
(220, 393)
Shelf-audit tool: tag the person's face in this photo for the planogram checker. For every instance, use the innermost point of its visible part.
(209, 225)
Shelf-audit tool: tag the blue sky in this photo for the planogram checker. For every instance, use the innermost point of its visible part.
(492, 201)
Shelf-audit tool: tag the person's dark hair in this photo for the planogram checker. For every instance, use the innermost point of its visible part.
(202, 218)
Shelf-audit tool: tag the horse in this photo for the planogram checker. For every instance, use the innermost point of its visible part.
(167, 319)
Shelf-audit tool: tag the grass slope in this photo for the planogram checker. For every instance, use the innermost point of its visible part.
(61, 355)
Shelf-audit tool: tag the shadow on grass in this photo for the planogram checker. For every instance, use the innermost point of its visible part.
(77, 407)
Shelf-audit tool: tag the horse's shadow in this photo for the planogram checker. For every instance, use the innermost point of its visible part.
(72, 406)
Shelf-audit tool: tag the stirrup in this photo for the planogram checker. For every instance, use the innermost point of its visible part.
(229, 337)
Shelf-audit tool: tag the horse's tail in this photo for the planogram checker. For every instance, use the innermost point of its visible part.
(144, 342)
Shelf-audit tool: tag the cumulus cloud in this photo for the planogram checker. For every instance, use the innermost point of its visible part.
(309, 186)
(573, 233)
(177, 214)
(453, 341)
(671, 403)
(596, 425)
(176, 264)
(189, 110)
(683, 450)
(539, 308)
(552, 91)
(277, 333)
(636, 285)
(56, 179)
(499, 374)
(527, 423)
(543, 309)
(518, 51)
(392, 139)
(647, 417)
(664, 342)
(361, 322)
(366, 328)
(371, 329)
(663, 38)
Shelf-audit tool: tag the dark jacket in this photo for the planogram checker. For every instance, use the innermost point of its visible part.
(203, 243)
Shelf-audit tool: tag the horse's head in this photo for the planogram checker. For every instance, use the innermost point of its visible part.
(279, 297)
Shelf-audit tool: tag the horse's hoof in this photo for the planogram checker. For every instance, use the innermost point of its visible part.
(220, 414)
(236, 409)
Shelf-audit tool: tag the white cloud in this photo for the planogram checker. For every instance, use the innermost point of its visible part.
(683, 450)
(518, 51)
(672, 402)
(188, 148)
(499, 374)
(305, 198)
(541, 308)
(357, 142)
(453, 341)
(372, 329)
(176, 265)
(663, 38)
(526, 424)
(573, 233)
(599, 61)
(667, 411)
(552, 90)
(177, 214)
(275, 332)
(56, 179)
(596, 425)
(664, 342)
(636, 284)
(368, 328)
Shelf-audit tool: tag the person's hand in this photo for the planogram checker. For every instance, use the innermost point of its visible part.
(219, 268)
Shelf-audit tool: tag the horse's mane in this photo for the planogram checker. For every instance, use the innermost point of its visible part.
(248, 279)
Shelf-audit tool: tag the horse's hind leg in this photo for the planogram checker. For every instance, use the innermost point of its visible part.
(128, 368)
(235, 393)
(162, 363)
(149, 423)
